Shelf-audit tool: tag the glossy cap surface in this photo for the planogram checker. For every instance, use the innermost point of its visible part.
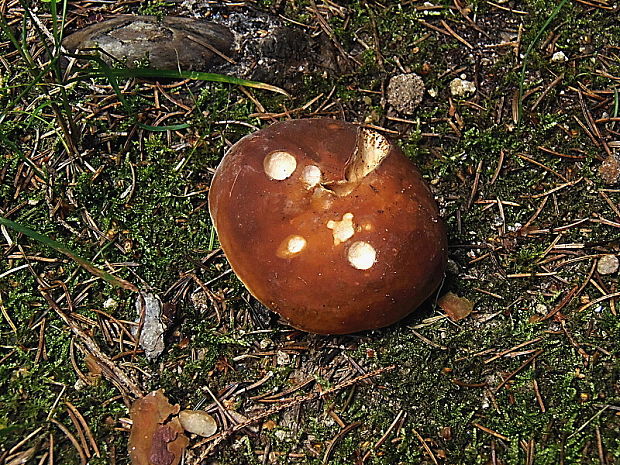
(329, 225)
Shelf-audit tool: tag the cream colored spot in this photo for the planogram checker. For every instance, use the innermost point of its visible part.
(291, 246)
(361, 255)
(311, 176)
(296, 244)
(343, 230)
(279, 165)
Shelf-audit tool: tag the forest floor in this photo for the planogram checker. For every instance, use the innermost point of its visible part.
(523, 166)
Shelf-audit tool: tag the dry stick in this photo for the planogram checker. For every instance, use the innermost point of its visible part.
(401, 416)
(17, 446)
(512, 349)
(555, 189)
(610, 203)
(279, 396)
(474, 188)
(211, 48)
(94, 349)
(340, 435)
(41, 346)
(591, 124)
(51, 450)
(74, 441)
(600, 299)
(518, 12)
(491, 432)
(586, 130)
(565, 301)
(536, 213)
(456, 36)
(500, 162)
(433, 27)
(554, 83)
(426, 448)
(330, 33)
(600, 448)
(85, 426)
(80, 432)
(559, 154)
(590, 420)
(596, 5)
(216, 440)
(541, 165)
(464, 14)
(523, 365)
(601, 220)
(539, 398)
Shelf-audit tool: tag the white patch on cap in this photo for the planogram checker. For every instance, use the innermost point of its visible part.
(291, 246)
(279, 165)
(296, 244)
(311, 176)
(361, 255)
(343, 230)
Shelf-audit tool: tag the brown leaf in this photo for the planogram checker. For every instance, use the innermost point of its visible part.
(156, 439)
(94, 369)
(455, 307)
(160, 455)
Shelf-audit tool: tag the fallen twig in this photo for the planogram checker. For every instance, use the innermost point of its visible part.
(217, 439)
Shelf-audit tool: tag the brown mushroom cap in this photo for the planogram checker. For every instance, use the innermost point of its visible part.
(329, 225)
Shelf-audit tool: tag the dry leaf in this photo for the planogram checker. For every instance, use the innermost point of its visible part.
(156, 439)
(455, 307)
(94, 369)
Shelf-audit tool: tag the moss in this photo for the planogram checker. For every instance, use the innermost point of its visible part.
(150, 197)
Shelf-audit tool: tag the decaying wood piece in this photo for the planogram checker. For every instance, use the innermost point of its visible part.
(169, 43)
(247, 44)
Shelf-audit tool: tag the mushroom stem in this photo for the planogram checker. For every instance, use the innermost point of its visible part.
(371, 148)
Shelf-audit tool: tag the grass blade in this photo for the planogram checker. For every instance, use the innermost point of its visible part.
(88, 266)
(544, 27)
(106, 71)
(196, 75)
(172, 127)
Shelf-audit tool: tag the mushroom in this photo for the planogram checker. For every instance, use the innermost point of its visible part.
(328, 224)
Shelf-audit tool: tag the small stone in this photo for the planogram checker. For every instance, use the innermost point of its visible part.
(559, 57)
(541, 309)
(149, 307)
(609, 171)
(462, 88)
(110, 304)
(282, 358)
(607, 264)
(198, 422)
(405, 91)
